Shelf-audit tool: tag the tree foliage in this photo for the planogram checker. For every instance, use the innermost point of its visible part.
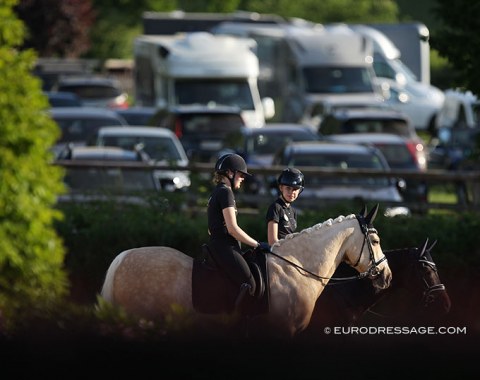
(57, 28)
(457, 39)
(31, 253)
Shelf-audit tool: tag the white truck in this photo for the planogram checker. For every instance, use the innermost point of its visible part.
(310, 68)
(200, 68)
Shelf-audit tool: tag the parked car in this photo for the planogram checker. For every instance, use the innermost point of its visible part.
(203, 130)
(79, 124)
(452, 146)
(375, 121)
(63, 99)
(400, 155)
(95, 91)
(91, 183)
(334, 188)
(138, 115)
(258, 146)
(161, 145)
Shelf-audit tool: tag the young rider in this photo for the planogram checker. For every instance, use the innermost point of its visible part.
(281, 216)
(225, 233)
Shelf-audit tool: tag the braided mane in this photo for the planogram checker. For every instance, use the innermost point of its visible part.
(316, 227)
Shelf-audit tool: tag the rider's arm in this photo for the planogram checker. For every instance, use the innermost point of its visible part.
(272, 232)
(234, 229)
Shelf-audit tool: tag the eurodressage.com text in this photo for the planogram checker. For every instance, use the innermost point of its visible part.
(394, 330)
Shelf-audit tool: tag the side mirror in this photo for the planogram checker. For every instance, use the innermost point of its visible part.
(268, 108)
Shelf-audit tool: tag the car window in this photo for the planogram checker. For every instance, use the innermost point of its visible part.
(91, 91)
(397, 155)
(78, 129)
(268, 143)
(397, 127)
(158, 148)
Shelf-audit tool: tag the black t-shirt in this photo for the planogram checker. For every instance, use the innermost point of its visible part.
(221, 198)
(285, 216)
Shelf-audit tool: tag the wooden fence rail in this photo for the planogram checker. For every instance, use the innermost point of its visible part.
(468, 181)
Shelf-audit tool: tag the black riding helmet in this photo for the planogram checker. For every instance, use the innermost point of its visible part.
(233, 162)
(292, 177)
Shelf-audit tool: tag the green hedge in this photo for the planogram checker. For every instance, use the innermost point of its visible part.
(94, 234)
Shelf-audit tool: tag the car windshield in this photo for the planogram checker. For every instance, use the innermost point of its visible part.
(76, 129)
(231, 93)
(366, 125)
(158, 148)
(334, 80)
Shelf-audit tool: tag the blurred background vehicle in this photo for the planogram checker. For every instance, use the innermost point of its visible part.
(63, 99)
(79, 124)
(376, 120)
(161, 145)
(399, 153)
(137, 115)
(94, 91)
(335, 188)
(203, 130)
(258, 146)
(94, 182)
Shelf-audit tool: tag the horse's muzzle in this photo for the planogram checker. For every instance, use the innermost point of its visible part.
(381, 278)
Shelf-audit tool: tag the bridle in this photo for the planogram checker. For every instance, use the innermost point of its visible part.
(372, 271)
(428, 296)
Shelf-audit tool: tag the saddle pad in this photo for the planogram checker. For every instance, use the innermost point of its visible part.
(212, 293)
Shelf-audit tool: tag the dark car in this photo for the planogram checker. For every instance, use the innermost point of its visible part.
(400, 155)
(94, 182)
(95, 91)
(138, 115)
(203, 130)
(334, 187)
(258, 146)
(377, 120)
(63, 99)
(78, 125)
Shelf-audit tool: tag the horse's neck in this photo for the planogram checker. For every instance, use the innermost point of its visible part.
(319, 249)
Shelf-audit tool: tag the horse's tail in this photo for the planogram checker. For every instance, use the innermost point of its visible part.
(107, 288)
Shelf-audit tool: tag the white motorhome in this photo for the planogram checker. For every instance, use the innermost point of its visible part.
(200, 68)
(303, 64)
(421, 101)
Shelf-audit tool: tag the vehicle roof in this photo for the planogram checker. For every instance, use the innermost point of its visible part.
(328, 147)
(86, 112)
(108, 153)
(278, 128)
(88, 80)
(368, 138)
(203, 108)
(135, 130)
(370, 112)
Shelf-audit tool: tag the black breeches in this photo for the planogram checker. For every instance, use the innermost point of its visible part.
(232, 263)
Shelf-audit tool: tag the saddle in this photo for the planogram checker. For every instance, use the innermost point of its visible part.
(213, 292)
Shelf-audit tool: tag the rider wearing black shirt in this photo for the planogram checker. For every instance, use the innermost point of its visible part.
(225, 234)
(281, 216)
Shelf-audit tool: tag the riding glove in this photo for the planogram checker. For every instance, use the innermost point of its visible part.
(263, 246)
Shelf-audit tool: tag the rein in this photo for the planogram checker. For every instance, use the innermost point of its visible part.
(371, 271)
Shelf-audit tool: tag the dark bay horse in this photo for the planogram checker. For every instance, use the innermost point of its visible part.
(416, 295)
(155, 283)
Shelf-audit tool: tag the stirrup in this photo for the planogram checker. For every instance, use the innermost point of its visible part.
(244, 288)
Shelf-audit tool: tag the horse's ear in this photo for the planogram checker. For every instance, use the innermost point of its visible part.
(433, 245)
(371, 215)
(363, 212)
(424, 248)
